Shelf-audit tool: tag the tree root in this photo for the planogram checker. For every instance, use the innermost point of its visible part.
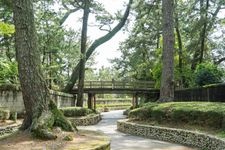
(42, 126)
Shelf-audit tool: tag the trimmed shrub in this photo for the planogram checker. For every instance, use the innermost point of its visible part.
(206, 114)
(4, 114)
(13, 116)
(76, 111)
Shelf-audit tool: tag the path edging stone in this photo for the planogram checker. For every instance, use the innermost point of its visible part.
(86, 120)
(185, 137)
(9, 129)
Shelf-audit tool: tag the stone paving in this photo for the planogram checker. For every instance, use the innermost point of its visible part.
(121, 141)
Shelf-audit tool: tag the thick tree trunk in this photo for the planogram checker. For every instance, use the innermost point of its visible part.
(94, 45)
(35, 92)
(39, 109)
(83, 54)
(167, 83)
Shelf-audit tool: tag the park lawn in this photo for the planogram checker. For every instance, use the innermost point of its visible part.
(206, 117)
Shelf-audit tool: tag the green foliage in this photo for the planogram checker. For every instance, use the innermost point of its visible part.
(8, 72)
(7, 29)
(207, 73)
(13, 116)
(193, 113)
(4, 114)
(76, 111)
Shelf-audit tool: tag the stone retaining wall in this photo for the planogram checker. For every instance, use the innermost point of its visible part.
(9, 129)
(13, 100)
(185, 137)
(86, 120)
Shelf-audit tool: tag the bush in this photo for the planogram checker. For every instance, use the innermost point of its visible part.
(207, 73)
(76, 111)
(4, 114)
(193, 113)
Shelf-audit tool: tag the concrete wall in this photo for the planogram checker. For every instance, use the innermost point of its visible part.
(14, 102)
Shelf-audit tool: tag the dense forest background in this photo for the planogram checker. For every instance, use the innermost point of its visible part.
(199, 28)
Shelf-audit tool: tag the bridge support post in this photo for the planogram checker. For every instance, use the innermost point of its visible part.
(94, 101)
(73, 103)
(90, 102)
(135, 100)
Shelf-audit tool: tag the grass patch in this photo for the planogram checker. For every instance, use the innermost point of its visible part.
(201, 114)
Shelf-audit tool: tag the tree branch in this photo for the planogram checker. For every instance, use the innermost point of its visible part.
(67, 15)
(219, 61)
(95, 44)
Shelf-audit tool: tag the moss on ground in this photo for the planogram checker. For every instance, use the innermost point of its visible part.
(42, 126)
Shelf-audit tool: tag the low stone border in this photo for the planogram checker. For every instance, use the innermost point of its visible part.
(9, 129)
(185, 137)
(91, 119)
(103, 147)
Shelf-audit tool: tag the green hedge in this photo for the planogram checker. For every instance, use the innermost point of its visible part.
(76, 111)
(206, 114)
(4, 114)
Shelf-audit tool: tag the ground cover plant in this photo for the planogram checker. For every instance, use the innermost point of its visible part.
(198, 114)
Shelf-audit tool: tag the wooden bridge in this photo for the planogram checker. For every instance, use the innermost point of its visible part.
(135, 88)
(117, 87)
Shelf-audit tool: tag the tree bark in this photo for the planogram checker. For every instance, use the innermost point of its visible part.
(94, 45)
(167, 78)
(83, 54)
(204, 33)
(199, 53)
(180, 49)
(41, 112)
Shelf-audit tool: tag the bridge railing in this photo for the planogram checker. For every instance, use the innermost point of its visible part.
(118, 84)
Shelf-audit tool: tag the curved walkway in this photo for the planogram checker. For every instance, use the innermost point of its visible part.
(121, 141)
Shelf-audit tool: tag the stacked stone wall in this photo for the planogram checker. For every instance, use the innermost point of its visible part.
(185, 137)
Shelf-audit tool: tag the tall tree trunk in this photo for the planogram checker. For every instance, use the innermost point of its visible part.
(167, 78)
(83, 54)
(199, 53)
(180, 48)
(180, 53)
(40, 111)
(94, 45)
(203, 32)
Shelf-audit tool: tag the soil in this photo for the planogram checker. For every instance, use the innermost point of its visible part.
(84, 140)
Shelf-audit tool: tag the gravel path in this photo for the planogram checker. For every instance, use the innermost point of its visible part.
(121, 141)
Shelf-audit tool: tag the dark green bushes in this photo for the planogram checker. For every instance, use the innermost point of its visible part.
(192, 113)
(76, 111)
(207, 73)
